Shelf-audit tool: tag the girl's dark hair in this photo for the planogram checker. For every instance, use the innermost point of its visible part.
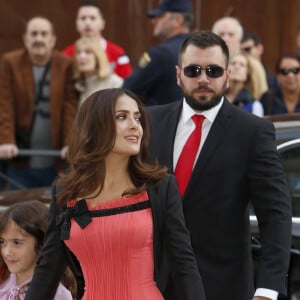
(92, 139)
(30, 216)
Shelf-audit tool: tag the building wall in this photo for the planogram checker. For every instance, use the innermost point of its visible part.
(275, 21)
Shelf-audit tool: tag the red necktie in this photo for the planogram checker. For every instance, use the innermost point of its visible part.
(187, 156)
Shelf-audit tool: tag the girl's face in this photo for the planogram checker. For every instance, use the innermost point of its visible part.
(18, 251)
(86, 60)
(129, 131)
(239, 68)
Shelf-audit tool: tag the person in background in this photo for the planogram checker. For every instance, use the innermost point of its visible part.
(153, 79)
(91, 69)
(252, 45)
(231, 31)
(243, 84)
(90, 22)
(38, 104)
(285, 98)
(115, 212)
(225, 160)
(22, 229)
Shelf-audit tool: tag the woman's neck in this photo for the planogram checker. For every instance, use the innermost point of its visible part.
(117, 180)
(117, 173)
(90, 74)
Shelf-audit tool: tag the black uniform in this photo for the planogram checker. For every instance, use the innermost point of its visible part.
(154, 79)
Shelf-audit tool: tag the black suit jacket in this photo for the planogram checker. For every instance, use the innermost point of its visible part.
(172, 249)
(238, 165)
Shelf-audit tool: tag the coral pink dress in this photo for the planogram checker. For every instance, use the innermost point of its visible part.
(115, 251)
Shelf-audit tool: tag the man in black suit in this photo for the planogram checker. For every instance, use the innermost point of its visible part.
(237, 164)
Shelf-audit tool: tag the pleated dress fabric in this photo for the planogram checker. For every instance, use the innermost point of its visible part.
(116, 252)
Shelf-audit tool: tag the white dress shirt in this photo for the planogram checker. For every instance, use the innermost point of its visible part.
(184, 128)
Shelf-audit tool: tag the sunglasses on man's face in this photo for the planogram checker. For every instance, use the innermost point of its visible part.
(286, 71)
(193, 71)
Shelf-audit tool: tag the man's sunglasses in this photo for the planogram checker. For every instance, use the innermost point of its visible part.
(285, 71)
(193, 71)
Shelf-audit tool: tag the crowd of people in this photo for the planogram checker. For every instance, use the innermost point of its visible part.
(154, 167)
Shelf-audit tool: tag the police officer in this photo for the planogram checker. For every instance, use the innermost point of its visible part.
(154, 78)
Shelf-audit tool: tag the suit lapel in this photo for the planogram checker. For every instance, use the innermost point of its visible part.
(168, 134)
(164, 126)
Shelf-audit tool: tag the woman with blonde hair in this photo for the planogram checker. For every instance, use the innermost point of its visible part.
(92, 71)
(246, 83)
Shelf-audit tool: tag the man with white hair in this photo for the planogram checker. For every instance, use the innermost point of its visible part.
(231, 31)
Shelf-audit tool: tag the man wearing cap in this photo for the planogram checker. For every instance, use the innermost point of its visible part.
(154, 79)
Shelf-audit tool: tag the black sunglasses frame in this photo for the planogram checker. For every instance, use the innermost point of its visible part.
(213, 71)
(286, 71)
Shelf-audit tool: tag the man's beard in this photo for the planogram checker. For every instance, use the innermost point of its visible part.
(194, 104)
(205, 105)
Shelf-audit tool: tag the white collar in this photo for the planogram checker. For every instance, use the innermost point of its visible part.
(210, 114)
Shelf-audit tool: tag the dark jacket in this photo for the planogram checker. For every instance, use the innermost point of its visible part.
(154, 79)
(273, 102)
(171, 247)
(237, 166)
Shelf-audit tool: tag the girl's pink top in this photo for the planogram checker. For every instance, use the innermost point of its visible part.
(9, 290)
(116, 252)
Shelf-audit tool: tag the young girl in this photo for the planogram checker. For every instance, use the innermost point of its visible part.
(22, 228)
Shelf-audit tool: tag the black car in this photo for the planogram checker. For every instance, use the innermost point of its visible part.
(288, 145)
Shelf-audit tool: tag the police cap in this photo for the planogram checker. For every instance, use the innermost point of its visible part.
(181, 6)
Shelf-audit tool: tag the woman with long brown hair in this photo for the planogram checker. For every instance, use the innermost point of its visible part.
(118, 216)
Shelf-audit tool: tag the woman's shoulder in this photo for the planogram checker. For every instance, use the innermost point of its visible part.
(166, 180)
(161, 188)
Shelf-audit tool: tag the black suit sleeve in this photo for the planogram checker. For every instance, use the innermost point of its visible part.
(272, 205)
(52, 262)
(182, 263)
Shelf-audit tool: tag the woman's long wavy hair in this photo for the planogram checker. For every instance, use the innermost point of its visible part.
(92, 139)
